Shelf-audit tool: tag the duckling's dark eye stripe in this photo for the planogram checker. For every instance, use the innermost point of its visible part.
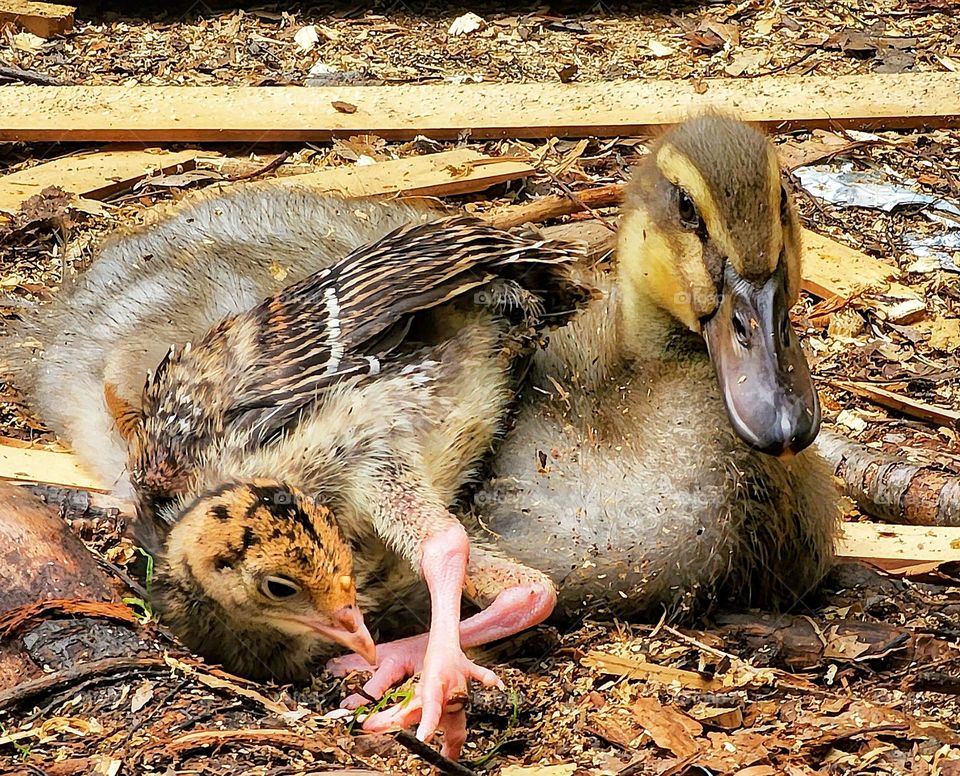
(677, 168)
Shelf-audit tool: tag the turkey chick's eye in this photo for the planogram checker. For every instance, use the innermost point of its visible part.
(279, 588)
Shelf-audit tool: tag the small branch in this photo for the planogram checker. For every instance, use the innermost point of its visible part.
(222, 683)
(577, 199)
(430, 755)
(274, 736)
(16, 620)
(554, 206)
(784, 66)
(912, 408)
(112, 668)
(937, 681)
(30, 76)
(268, 167)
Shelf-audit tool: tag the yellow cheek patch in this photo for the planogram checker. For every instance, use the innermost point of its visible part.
(680, 171)
(672, 275)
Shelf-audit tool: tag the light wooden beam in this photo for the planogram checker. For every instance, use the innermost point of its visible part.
(899, 549)
(447, 173)
(266, 114)
(94, 174)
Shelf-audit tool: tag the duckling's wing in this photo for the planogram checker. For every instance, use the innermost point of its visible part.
(345, 320)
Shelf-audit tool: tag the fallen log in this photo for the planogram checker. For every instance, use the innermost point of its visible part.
(40, 559)
(890, 488)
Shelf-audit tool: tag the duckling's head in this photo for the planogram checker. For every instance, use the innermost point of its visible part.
(710, 236)
(259, 577)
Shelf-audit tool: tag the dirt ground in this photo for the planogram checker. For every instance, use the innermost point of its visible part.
(861, 679)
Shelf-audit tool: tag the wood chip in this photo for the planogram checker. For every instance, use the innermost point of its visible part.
(42, 19)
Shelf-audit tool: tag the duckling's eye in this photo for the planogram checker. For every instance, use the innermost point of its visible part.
(279, 588)
(689, 217)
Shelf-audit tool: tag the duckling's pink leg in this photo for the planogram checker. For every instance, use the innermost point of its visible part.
(517, 597)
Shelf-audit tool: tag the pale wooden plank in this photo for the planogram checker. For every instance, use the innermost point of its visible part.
(23, 464)
(263, 114)
(831, 268)
(899, 548)
(43, 19)
(95, 174)
(442, 174)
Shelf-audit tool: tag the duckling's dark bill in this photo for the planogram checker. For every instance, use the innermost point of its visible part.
(763, 374)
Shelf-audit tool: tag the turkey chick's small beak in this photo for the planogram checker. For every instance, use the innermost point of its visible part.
(346, 628)
(763, 374)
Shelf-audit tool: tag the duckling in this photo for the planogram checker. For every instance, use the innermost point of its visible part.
(658, 458)
(316, 419)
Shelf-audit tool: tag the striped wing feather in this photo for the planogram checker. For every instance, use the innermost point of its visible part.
(342, 320)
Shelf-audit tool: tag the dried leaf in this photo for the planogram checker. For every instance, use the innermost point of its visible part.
(748, 62)
(669, 728)
(945, 334)
(705, 41)
(464, 25)
(728, 33)
(844, 647)
(659, 49)
(765, 26)
(567, 769)
(568, 72)
(307, 37)
(343, 107)
(637, 668)
(141, 697)
(27, 41)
